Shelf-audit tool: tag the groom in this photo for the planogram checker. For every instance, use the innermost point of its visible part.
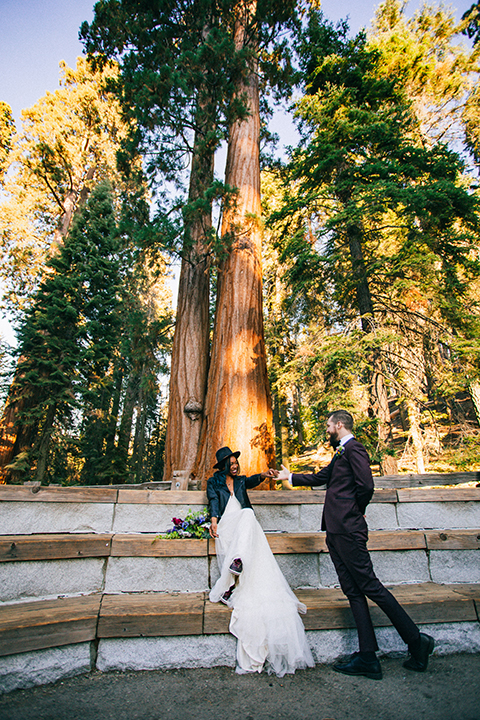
(349, 490)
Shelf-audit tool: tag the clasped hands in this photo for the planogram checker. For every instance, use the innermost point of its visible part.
(282, 474)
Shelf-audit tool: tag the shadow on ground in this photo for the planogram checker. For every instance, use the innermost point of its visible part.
(449, 690)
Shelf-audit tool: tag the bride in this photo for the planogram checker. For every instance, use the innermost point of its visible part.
(265, 617)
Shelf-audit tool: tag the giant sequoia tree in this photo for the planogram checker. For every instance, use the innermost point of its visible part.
(189, 75)
(174, 88)
(238, 409)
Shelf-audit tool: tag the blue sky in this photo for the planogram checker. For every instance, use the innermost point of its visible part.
(37, 34)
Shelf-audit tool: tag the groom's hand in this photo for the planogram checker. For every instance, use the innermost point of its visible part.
(283, 474)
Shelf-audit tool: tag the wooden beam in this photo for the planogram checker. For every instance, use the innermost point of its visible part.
(287, 543)
(47, 493)
(53, 547)
(160, 497)
(151, 615)
(396, 540)
(47, 623)
(440, 495)
(415, 480)
(453, 539)
(216, 618)
(150, 546)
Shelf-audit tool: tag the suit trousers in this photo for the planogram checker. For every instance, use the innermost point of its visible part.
(358, 581)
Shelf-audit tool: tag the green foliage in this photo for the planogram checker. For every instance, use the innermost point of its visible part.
(7, 129)
(376, 230)
(66, 146)
(195, 525)
(87, 329)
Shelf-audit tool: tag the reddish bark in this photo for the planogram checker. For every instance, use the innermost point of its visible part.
(238, 410)
(190, 353)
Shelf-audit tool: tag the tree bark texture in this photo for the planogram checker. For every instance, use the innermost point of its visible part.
(238, 411)
(191, 343)
(474, 389)
(416, 434)
(378, 391)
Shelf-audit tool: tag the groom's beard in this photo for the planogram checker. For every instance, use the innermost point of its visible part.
(334, 440)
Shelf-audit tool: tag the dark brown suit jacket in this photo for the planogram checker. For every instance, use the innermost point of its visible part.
(349, 483)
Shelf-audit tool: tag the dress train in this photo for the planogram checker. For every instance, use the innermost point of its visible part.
(265, 617)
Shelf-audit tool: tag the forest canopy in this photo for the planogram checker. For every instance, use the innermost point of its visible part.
(342, 273)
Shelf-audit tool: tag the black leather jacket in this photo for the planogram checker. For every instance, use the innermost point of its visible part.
(218, 493)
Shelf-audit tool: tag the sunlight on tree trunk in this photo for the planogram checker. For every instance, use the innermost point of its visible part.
(474, 389)
(238, 409)
(416, 434)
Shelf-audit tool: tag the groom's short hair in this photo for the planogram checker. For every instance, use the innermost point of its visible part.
(342, 416)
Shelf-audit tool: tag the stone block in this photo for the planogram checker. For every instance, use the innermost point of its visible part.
(43, 666)
(282, 518)
(328, 574)
(50, 578)
(163, 574)
(23, 518)
(300, 570)
(330, 645)
(401, 566)
(455, 566)
(310, 518)
(454, 637)
(214, 571)
(428, 515)
(169, 652)
(382, 516)
(155, 518)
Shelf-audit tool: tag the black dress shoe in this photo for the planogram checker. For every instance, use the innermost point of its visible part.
(419, 660)
(356, 665)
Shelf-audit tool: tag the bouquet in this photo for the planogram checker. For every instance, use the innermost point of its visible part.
(195, 525)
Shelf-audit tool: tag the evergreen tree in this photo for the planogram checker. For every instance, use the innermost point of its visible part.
(67, 336)
(184, 79)
(391, 215)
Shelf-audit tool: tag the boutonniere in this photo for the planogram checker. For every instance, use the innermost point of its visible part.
(339, 451)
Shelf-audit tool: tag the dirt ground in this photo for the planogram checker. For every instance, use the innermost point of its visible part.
(449, 690)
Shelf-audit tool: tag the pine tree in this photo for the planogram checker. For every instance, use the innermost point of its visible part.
(68, 336)
(392, 216)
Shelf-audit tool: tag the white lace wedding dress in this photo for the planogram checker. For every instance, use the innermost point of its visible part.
(265, 610)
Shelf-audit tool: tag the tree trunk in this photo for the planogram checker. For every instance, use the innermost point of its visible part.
(115, 407)
(474, 389)
(378, 391)
(297, 415)
(125, 430)
(44, 443)
(16, 437)
(136, 464)
(415, 434)
(190, 353)
(238, 410)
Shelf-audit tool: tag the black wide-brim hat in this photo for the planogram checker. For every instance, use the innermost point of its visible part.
(222, 455)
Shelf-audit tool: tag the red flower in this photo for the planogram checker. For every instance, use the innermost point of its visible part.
(177, 521)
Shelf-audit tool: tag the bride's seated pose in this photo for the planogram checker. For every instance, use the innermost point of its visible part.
(265, 610)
